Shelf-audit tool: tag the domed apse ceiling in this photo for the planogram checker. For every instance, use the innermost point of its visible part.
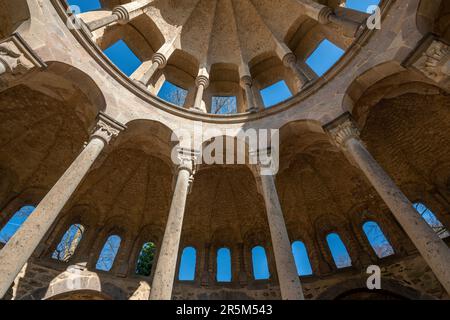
(237, 32)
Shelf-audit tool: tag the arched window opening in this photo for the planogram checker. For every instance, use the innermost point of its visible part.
(377, 239)
(223, 265)
(173, 94)
(15, 223)
(85, 5)
(324, 57)
(301, 259)
(123, 57)
(275, 93)
(69, 243)
(361, 5)
(224, 105)
(108, 254)
(145, 260)
(187, 264)
(338, 251)
(432, 220)
(260, 265)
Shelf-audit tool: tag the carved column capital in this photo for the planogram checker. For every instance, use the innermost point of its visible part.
(160, 59)
(289, 60)
(246, 81)
(202, 80)
(16, 59)
(186, 159)
(324, 15)
(131, 10)
(107, 128)
(434, 62)
(342, 129)
(13, 59)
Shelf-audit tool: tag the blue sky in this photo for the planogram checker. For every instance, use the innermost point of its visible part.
(338, 251)
(187, 264)
(301, 259)
(361, 5)
(122, 56)
(259, 262)
(14, 223)
(85, 5)
(223, 265)
(324, 57)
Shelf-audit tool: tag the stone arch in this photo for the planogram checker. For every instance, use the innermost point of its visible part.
(427, 14)
(224, 81)
(362, 82)
(30, 196)
(141, 34)
(13, 16)
(359, 283)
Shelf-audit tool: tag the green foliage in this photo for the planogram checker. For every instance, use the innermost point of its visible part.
(145, 261)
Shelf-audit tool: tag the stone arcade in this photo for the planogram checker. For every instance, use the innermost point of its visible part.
(89, 146)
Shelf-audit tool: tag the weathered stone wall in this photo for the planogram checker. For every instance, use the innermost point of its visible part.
(409, 278)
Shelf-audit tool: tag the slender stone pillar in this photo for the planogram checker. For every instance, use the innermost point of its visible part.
(246, 84)
(290, 286)
(435, 252)
(21, 246)
(205, 272)
(202, 82)
(167, 261)
(290, 61)
(121, 14)
(146, 72)
(242, 268)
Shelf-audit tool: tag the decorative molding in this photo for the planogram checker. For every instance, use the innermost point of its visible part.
(186, 159)
(432, 58)
(107, 128)
(342, 129)
(16, 59)
(202, 80)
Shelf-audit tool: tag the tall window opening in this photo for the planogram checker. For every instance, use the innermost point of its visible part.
(338, 251)
(69, 243)
(187, 264)
(15, 223)
(223, 265)
(301, 259)
(146, 259)
(432, 220)
(260, 265)
(108, 254)
(377, 239)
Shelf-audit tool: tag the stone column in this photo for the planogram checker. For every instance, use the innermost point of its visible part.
(435, 252)
(290, 286)
(21, 246)
(290, 61)
(146, 71)
(246, 84)
(167, 261)
(205, 272)
(202, 82)
(325, 15)
(242, 268)
(121, 14)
